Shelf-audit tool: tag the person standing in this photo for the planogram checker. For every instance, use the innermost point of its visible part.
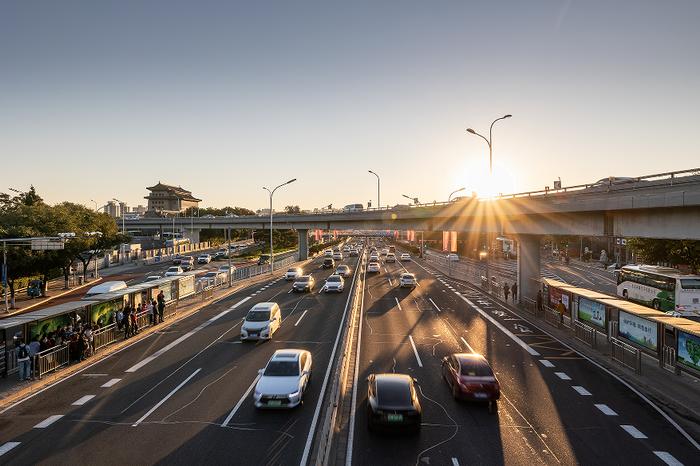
(561, 309)
(514, 292)
(23, 361)
(161, 305)
(539, 300)
(150, 309)
(506, 290)
(126, 322)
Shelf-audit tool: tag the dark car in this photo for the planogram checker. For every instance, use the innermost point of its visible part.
(392, 403)
(303, 283)
(328, 263)
(470, 377)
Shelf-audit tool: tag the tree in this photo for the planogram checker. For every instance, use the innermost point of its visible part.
(674, 252)
(292, 209)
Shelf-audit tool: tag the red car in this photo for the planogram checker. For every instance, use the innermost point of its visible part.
(471, 378)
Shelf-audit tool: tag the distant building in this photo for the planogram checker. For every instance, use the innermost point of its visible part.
(139, 209)
(165, 199)
(112, 209)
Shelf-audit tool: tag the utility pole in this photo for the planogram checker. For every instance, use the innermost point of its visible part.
(228, 254)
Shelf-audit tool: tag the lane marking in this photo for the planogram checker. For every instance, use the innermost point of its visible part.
(239, 303)
(665, 456)
(48, 421)
(633, 431)
(455, 462)
(605, 409)
(415, 351)
(390, 284)
(562, 375)
(510, 334)
(10, 445)
(581, 391)
(166, 398)
(301, 317)
(436, 306)
(82, 400)
(398, 304)
(546, 363)
(467, 344)
(240, 402)
(110, 383)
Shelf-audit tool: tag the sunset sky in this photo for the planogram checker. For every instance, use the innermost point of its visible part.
(224, 97)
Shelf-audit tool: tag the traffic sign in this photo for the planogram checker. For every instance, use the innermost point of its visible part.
(47, 244)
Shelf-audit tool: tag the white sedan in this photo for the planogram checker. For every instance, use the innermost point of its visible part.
(334, 283)
(204, 259)
(284, 379)
(405, 257)
(408, 280)
(293, 273)
(172, 271)
(373, 267)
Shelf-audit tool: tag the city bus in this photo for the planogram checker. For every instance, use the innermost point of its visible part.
(662, 288)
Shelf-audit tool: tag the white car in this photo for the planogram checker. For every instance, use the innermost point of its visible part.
(452, 257)
(373, 267)
(150, 278)
(261, 322)
(204, 259)
(328, 253)
(373, 257)
(212, 278)
(172, 271)
(343, 271)
(227, 270)
(334, 283)
(284, 379)
(384, 252)
(391, 257)
(408, 280)
(293, 273)
(337, 256)
(405, 257)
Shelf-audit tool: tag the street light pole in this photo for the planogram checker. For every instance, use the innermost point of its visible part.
(272, 193)
(489, 141)
(453, 193)
(122, 248)
(379, 199)
(91, 200)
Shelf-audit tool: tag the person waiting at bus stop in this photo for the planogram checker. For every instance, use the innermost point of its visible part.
(561, 309)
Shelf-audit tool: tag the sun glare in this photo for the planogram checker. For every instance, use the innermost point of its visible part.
(476, 179)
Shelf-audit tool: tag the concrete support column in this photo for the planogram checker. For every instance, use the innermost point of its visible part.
(192, 234)
(528, 266)
(303, 244)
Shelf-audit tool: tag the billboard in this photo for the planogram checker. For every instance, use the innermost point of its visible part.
(591, 312)
(186, 286)
(103, 313)
(688, 350)
(638, 330)
(47, 326)
(555, 294)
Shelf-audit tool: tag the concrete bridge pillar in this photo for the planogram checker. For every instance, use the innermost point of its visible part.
(528, 266)
(303, 244)
(192, 234)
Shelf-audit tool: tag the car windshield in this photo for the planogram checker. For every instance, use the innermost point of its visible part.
(407, 276)
(333, 278)
(292, 270)
(393, 393)
(303, 279)
(173, 269)
(690, 283)
(258, 316)
(473, 368)
(282, 368)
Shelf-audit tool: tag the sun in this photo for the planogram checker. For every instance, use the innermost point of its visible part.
(475, 178)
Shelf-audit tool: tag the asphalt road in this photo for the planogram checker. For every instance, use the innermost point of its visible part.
(184, 395)
(556, 406)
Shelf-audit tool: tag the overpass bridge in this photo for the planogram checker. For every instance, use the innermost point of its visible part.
(665, 205)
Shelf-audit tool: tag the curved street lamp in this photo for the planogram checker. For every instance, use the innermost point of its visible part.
(489, 141)
(272, 193)
(379, 202)
(454, 192)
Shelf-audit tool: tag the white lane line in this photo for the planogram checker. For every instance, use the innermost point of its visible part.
(239, 303)
(240, 402)
(415, 351)
(433, 303)
(546, 363)
(398, 304)
(166, 398)
(665, 456)
(82, 400)
(455, 462)
(172, 345)
(390, 283)
(581, 391)
(301, 317)
(510, 334)
(633, 431)
(467, 344)
(562, 375)
(10, 445)
(48, 421)
(605, 409)
(110, 383)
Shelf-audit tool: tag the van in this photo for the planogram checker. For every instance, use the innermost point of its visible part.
(106, 287)
(353, 208)
(261, 322)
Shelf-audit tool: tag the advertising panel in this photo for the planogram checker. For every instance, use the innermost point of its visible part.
(638, 330)
(688, 350)
(591, 312)
(186, 286)
(45, 327)
(555, 294)
(103, 313)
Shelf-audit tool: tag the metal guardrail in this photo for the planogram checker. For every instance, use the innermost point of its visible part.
(51, 359)
(626, 354)
(105, 336)
(552, 317)
(586, 334)
(668, 359)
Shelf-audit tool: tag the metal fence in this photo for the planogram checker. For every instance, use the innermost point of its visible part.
(105, 336)
(668, 359)
(626, 354)
(51, 359)
(586, 334)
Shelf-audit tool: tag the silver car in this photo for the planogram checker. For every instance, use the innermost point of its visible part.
(284, 379)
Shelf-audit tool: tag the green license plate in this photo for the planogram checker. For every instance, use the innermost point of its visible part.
(394, 417)
(274, 403)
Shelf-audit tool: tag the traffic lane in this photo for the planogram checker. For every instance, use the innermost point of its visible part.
(592, 434)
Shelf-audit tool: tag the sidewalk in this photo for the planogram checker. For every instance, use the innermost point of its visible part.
(677, 395)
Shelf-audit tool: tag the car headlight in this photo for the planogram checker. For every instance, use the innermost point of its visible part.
(293, 395)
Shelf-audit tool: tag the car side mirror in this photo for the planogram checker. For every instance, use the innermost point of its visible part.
(260, 371)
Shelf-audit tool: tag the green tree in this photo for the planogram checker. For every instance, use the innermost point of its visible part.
(292, 209)
(675, 252)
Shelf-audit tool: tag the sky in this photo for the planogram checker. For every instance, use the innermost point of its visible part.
(99, 100)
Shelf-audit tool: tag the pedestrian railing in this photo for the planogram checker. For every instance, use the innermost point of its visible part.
(668, 360)
(626, 354)
(11, 361)
(51, 359)
(105, 336)
(585, 333)
(552, 317)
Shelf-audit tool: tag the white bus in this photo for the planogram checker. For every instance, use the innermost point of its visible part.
(662, 288)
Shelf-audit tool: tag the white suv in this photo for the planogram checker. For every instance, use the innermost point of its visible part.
(261, 322)
(284, 379)
(293, 273)
(334, 283)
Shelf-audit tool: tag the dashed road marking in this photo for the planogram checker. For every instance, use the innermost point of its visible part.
(110, 383)
(605, 409)
(562, 375)
(48, 421)
(166, 398)
(436, 306)
(398, 304)
(581, 391)
(546, 363)
(467, 344)
(455, 462)
(633, 431)
(82, 400)
(415, 351)
(665, 456)
(301, 317)
(10, 445)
